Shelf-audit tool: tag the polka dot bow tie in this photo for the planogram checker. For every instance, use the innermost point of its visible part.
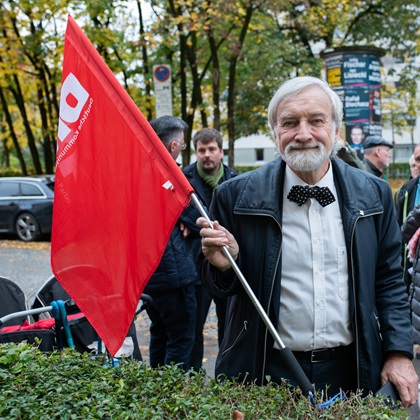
(301, 193)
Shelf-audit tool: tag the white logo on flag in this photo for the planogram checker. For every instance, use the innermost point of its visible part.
(168, 185)
(74, 97)
(70, 113)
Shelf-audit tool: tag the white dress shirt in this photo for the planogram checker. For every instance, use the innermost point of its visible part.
(314, 307)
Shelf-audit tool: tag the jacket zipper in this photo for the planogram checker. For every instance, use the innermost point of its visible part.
(354, 293)
(244, 328)
(379, 326)
(272, 287)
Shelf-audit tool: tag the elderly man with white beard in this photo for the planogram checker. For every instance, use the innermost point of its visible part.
(319, 244)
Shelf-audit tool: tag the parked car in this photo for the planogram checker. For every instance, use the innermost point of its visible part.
(26, 205)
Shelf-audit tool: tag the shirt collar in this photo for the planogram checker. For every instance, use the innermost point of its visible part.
(292, 179)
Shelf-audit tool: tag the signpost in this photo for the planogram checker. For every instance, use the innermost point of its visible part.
(163, 89)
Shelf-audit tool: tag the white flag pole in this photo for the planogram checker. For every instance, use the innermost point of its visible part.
(287, 354)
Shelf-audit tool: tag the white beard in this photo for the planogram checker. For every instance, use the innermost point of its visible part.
(303, 158)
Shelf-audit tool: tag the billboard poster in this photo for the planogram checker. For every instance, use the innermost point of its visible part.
(333, 67)
(354, 73)
(374, 71)
(375, 106)
(355, 70)
(355, 136)
(357, 105)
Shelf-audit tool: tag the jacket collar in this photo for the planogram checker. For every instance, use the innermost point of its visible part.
(358, 195)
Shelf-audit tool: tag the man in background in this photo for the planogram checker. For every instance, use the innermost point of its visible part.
(205, 176)
(408, 196)
(376, 154)
(413, 168)
(171, 287)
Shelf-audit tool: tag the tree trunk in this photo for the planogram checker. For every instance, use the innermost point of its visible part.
(231, 84)
(5, 156)
(46, 143)
(146, 67)
(53, 111)
(12, 133)
(215, 82)
(17, 93)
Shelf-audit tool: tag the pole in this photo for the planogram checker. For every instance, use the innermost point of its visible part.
(286, 353)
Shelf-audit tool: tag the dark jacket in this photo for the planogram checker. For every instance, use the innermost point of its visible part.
(371, 168)
(404, 199)
(250, 207)
(205, 194)
(203, 190)
(410, 226)
(176, 268)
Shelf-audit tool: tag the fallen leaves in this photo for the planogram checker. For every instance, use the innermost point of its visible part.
(6, 243)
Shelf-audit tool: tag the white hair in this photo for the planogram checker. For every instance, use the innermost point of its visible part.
(293, 87)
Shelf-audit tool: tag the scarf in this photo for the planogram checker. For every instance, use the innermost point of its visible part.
(212, 180)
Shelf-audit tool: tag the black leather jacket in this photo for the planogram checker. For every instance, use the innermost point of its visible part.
(250, 207)
(410, 226)
(205, 194)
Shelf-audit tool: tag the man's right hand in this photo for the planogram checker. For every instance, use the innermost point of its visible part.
(212, 240)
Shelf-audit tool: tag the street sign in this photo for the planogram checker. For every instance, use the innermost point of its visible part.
(162, 73)
(163, 89)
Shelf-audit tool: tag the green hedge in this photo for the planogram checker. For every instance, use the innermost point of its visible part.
(69, 385)
(398, 170)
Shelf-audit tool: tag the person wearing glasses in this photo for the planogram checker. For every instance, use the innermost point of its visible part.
(205, 176)
(171, 287)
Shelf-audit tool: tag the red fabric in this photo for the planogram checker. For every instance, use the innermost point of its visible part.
(112, 214)
(43, 324)
(412, 245)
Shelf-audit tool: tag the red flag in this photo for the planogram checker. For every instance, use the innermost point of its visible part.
(118, 193)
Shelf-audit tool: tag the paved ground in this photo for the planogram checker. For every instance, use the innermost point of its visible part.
(28, 266)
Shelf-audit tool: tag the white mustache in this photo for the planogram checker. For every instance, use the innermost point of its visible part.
(296, 145)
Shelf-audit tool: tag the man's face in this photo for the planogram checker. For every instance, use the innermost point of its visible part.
(384, 156)
(413, 169)
(417, 158)
(209, 156)
(356, 135)
(306, 131)
(176, 145)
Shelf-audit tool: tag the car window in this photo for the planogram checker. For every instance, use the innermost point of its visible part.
(9, 189)
(30, 189)
(50, 185)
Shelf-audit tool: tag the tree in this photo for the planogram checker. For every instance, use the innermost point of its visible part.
(13, 135)
(228, 57)
(30, 68)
